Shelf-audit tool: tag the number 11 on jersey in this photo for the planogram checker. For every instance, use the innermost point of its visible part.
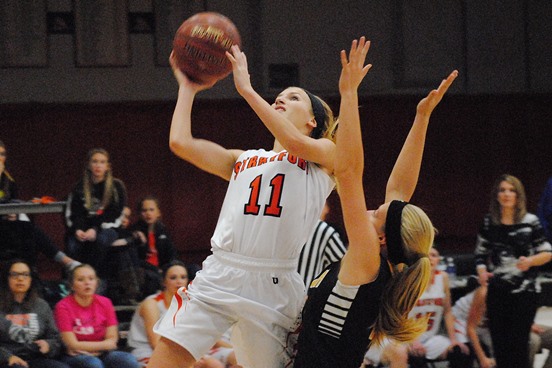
(272, 208)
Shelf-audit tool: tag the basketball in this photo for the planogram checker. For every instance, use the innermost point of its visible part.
(200, 44)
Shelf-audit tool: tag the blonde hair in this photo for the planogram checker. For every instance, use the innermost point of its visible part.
(87, 182)
(407, 286)
(495, 209)
(330, 122)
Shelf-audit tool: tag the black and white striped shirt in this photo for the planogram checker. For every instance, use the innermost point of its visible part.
(323, 247)
(499, 247)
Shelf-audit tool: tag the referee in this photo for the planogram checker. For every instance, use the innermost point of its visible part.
(323, 247)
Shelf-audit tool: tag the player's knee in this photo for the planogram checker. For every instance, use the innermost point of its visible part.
(168, 353)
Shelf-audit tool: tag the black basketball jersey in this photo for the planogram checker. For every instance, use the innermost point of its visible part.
(338, 319)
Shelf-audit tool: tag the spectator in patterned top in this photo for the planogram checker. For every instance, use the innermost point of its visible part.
(323, 247)
(476, 329)
(510, 244)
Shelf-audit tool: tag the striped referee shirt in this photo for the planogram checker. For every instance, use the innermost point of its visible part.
(323, 247)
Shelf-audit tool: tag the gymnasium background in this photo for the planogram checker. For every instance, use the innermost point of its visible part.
(87, 73)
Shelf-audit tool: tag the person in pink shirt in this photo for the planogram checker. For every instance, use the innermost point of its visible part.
(88, 325)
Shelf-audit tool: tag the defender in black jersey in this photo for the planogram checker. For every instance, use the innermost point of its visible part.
(367, 296)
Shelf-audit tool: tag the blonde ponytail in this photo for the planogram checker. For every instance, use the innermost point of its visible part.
(400, 296)
(407, 286)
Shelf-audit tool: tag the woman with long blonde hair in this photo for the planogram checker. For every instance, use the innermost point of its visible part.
(366, 296)
(94, 211)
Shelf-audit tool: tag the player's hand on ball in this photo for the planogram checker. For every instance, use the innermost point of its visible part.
(239, 69)
(183, 80)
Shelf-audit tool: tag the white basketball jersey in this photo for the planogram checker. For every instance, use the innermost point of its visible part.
(461, 311)
(137, 336)
(273, 202)
(431, 304)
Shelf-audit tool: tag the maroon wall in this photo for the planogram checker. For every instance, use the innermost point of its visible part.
(471, 141)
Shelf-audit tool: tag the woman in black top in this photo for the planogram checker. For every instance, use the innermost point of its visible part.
(510, 244)
(94, 211)
(152, 243)
(364, 298)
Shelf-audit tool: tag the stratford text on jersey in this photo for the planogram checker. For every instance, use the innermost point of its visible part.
(255, 161)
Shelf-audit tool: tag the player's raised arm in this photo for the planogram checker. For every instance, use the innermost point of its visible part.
(361, 262)
(404, 177)
(206, 155)
(290, 135)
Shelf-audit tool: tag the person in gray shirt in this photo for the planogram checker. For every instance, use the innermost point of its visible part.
(28, 334)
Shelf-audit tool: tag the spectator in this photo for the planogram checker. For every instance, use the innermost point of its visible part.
(88, 325)
(323, 247)
(28, 333)
(150, 247)
(141, 337)
(153, 243)
(510, 244)
(126, 220)
(94, 212)
(8, 188)
(125, 277)
(24, 240)
(479, 336)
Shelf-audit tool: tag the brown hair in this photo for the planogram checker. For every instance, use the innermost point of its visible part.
(148, 198)
(495, 209)
(7, 301)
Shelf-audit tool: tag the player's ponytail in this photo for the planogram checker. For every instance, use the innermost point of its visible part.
(400, 296)
(409, 234)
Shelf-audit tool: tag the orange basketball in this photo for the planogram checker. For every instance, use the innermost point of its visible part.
(200, 45)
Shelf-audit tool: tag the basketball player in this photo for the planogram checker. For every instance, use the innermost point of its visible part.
(250, 283)
(363, 298)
